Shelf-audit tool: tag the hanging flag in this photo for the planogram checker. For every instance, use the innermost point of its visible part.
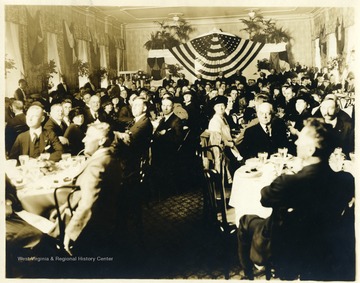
(340, 36)
(218, 51)
(35, 38)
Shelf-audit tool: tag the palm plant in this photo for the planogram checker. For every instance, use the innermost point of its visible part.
(264, 31)
(169, 35)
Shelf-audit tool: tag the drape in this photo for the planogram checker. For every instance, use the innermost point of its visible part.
(53, 54)
(84, 57)
(317, 54)
(12, 51)
(103, 64)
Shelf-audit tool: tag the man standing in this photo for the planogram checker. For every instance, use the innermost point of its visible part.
(167, 139)
(20, 93)
(36, 140)
(306, 228)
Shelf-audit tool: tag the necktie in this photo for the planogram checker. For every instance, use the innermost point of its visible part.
(267, 130)
(35, 138)
(36, 148)
(96, 116)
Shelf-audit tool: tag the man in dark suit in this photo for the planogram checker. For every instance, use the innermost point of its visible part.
(182, 81)
(266, 136)
(56, 124)
(136, 141)
(15, 125)
(62, 88)
(342, 129)
(36, 140)
(93, 114)
(167, 139)
(20, 93)
(308, 233)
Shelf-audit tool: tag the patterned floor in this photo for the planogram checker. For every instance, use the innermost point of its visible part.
(177, 244)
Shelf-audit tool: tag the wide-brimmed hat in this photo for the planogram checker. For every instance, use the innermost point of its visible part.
(218, 100)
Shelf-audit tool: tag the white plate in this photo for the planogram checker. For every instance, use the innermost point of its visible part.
(252, 161)
(249, 172)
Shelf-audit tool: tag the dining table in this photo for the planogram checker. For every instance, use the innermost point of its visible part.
(250, 178)
(36, 181)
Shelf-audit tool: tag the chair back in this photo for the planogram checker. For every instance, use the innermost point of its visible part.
(216, 199)
(60, 217)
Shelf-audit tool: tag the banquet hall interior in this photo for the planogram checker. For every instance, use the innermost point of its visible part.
(180, 142)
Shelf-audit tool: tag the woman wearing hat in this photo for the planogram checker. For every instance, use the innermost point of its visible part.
(74, 133)
(220, 133)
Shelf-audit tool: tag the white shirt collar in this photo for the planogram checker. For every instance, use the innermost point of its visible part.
(139, 117)
(168, 116)
(37, 131)
(333, 122)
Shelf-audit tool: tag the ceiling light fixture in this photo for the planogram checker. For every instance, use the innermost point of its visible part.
(176, 16)
(251, 14)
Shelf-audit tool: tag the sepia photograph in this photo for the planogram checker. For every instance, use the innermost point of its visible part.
(182, 140)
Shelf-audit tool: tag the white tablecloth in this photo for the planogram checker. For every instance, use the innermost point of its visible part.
(245, 193)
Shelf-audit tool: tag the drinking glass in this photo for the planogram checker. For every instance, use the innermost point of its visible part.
(282, 152)
(262, 157)
(23, 159)
(45, 156)
(65, 156)
(279, 166)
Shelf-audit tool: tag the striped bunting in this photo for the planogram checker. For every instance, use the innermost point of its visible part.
(211, 53)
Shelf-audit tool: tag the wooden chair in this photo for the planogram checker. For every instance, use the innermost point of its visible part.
(61, 218)
(219, 215)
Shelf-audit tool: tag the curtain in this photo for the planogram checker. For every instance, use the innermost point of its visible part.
(317, 58)
(53, 54)
(83, 56)
(332, 51)
(35, 38)
(12, 52)
(103, 64)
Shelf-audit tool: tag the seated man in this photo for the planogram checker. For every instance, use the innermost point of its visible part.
(305, 229)
(15, 125)
(97, 202)
(342, 129)
(266, 136)
(36, 140)
(56, 124)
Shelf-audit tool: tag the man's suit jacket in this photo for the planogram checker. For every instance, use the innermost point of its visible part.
(307, 207)
(62, 91)
(19, 95)
(141, 134)
(165, 146)
(13, 128)
(51, 125)
(256, 140)
(98, 199)
(48, 142)
(89, 118)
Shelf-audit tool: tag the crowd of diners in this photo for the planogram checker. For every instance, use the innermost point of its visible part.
(243, 115)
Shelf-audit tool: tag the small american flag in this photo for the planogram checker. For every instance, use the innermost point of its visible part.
(218, 51)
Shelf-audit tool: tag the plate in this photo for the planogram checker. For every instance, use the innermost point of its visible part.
(249, 172)
(252, 161)
(277, 155)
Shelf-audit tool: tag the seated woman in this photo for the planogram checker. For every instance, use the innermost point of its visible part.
(74, 133)
(220, 134)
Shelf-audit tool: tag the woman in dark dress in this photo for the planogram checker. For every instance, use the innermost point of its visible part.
(74, 132)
